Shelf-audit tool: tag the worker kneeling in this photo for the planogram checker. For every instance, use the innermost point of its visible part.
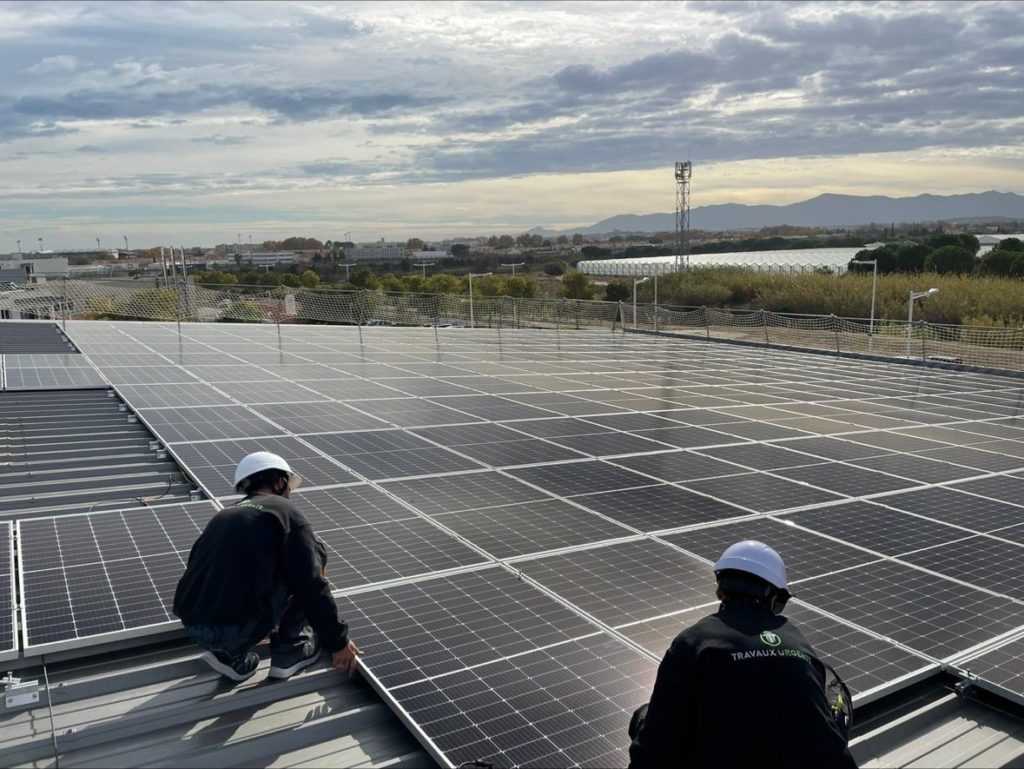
(259, 569)
(743, 686)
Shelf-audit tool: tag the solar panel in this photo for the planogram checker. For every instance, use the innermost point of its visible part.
(348, 506)
(8, 620)
(955, 508)
(761, 492)
(213, 463)
(846, 479)
(625, 581)
(186, 425)
(466, 491)
(609, 444)
(1001, 668)
(804, 553)
(102, 576)
(414, 412)
(929, 614)
(428, 628)
(877, 528)
(982, 561)
(182, 394)
(864, 661)
(318, 417)
(759, 456)
(917, 468)
(563, 706)
(580, 477)
(382, 454)
(530, 527)
(654, 508)
(366, 554)
(678, 466)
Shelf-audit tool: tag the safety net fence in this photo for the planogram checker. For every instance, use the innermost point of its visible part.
(1001, 348)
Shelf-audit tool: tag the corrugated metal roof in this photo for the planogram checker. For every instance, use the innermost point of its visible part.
(162, 706)
(934, 726)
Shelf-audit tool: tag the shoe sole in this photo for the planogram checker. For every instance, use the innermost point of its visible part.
(226, 670)
(282, 673)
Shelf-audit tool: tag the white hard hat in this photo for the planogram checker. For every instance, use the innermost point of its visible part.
(755, 558)
(264, 460)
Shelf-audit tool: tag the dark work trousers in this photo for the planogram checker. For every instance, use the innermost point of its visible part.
(282, 619)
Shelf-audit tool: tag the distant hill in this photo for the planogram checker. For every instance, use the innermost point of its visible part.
(826, 210)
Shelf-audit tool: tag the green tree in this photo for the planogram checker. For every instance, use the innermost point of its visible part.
(406, 265)
(391, 282)
(577, 239)
(309, 279)
(554, 268)
(576, 285)
(949, 260)
(363, 277)
(414, 244)
(1011, 244)
(443, 283)
(617, 292)
(291, 280)
(521, 288)
(461, 250)
(1002, 263)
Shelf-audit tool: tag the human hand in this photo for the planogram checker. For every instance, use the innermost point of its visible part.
(344, 660)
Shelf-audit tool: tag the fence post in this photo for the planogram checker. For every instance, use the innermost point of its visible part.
(835, 330)
(764, 323)
(924, 334)
(64, 303)
(707, 320)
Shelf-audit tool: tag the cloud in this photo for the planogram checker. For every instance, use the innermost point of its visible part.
(53, 64)
(222, 140)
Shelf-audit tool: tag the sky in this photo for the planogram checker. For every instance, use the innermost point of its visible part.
(193, 123)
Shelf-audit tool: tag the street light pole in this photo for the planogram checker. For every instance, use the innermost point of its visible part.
(40, 244)
(513, 266)
(636, 282)
(472, 318)
(914, 296)
(424, 265)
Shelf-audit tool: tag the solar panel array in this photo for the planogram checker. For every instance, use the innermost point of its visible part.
(519, 522)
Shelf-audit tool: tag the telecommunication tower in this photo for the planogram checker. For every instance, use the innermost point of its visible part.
(683, 173)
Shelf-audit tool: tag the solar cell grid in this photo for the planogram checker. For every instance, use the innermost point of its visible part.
(956, 508)
(213, 463)
(530, 527)
(465, 491)
(318, 417)
(930, 614)
(8, 625)
(625, 581)
(87, 576)
(846, 479)
(877, 528)
(654, 508)
(185, 425)
(348, 506)
(580, 477)
(917, 468)
(558, 707)
(761, 492)
(439, 625)
(362, 555)
(804, 553)
(678, 466)
(609, 444)
(759, 456)
(1002, 667)
(982, 561)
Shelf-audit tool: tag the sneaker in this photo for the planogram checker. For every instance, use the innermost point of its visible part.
(236, 668)
(286, 664)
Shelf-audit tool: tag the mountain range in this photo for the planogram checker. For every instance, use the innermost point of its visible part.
(826, 210)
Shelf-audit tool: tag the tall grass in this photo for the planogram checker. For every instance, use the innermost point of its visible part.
(961, 299)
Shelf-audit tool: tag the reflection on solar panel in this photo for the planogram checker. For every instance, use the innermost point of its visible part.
(761, 492)
(382, 454)
(580, 477)
(8, 624)
(563, 706)
(213, 463)
(654, 508)
(626, 581)
(100, 576)
(422, 629)
(930, 614)
(467, 491)
(805, 554)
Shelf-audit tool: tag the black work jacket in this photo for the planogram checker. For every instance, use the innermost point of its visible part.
(741, 687)
(247, 552)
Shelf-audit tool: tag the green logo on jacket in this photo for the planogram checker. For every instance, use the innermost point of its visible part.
(768, 638)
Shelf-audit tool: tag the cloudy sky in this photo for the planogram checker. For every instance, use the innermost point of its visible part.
(188, 123)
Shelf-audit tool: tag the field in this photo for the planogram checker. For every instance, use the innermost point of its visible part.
(961, 300)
